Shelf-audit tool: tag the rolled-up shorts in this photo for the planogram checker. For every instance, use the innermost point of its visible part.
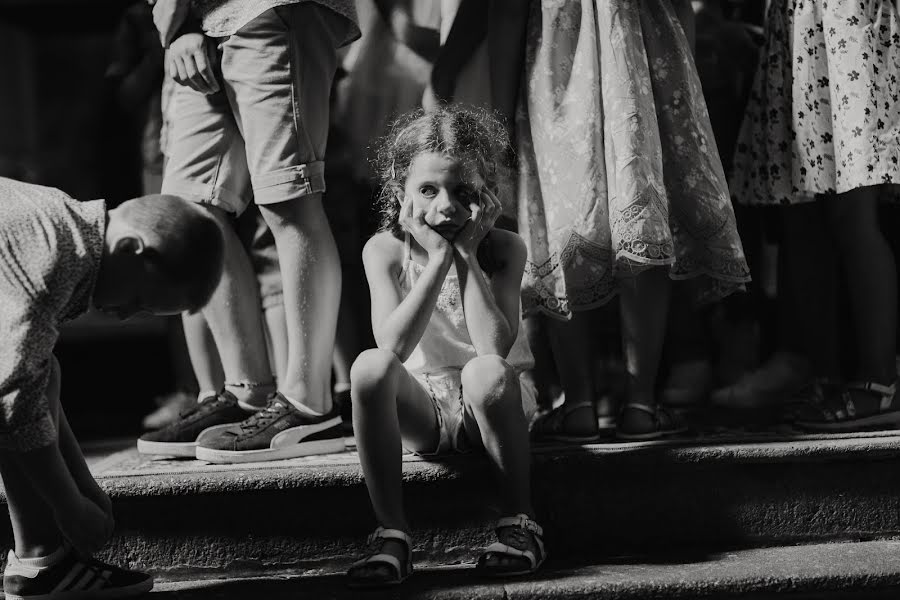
(445, 389)
(262, 137)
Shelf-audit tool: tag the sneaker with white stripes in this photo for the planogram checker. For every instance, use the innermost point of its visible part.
(72, 578)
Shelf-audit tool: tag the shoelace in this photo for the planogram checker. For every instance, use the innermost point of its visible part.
(272, 411)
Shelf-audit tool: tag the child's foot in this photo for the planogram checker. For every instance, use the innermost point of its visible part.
(519, 551)
(860, 406)
(389, 562)
(64, 576)
(203, 419)
(569, 423)
(277, 432)
(641, 422)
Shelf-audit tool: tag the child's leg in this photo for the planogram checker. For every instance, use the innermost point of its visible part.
(494, 420)
(572, 343)
(203, 352)
(868, 264)
(311, 276)
(644, 306)
(234, 317)
(389, 405)
(277, 338)
(33, 524)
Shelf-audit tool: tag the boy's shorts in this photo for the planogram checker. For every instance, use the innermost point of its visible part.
(263, 135)
(445, 389)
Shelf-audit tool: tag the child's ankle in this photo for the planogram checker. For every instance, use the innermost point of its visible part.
(251, 395)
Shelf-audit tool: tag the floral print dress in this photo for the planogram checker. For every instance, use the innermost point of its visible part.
(824, 115)
(619, 169)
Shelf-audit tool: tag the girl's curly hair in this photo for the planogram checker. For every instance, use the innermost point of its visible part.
(470, 135)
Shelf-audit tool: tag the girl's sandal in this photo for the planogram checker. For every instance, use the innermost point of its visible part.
(841, 413)
(400, 571)
(551, 426)
(665, 424)
(518, 528)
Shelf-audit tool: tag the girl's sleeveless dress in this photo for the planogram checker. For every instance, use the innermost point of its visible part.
(824, 114)
(445, 348)
(619, 169)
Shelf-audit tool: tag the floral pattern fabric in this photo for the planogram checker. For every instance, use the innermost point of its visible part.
(619, 169)
(824, 114)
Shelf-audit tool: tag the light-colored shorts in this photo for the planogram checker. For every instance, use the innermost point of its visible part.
(445, 389)
(262, 136)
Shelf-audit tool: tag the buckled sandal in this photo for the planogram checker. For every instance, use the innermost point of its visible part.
(550, 426)
(399, 571)
(518, 529)
(842, 413)
(665, 424)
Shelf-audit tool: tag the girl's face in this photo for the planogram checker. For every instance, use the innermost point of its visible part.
(444, 190)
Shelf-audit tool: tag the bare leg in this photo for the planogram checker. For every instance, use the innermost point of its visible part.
(389, 406)
(33, 524)
(203, 352)
(868, 265)
(234, 317)
(311, 276)
(494, 421)
(277, 337)
(572, 343)
(644, 305)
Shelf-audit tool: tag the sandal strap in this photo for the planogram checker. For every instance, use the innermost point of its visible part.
(382, 533)
(871, 386)
(507, 550)
(521, 520)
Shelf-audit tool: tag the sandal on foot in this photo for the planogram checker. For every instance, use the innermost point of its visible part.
(841, 413)
(550, 426)
(665, 424)
(519, 528)
(400, 571)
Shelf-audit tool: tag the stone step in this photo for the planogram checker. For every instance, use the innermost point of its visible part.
(861, 571)
(597, 501)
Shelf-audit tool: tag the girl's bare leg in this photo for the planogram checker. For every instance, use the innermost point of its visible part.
(868, 265)
(390, 410)
(644, 306)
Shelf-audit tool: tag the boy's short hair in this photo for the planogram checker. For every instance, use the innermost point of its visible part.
(183, 241)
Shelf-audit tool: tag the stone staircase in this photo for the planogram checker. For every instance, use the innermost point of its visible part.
(723, 516)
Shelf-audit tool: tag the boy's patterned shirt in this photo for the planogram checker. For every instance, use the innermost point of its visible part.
(50, 251)
(224, 17)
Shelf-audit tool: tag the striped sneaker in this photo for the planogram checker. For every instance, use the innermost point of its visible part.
(72, 578)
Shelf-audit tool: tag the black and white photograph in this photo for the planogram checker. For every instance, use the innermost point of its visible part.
(450, 299)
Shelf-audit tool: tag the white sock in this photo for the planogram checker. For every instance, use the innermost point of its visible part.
(30, 567)
(301, 407)
(251, 396)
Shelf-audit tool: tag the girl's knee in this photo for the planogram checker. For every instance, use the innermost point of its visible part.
(372, 369)
(489, 380)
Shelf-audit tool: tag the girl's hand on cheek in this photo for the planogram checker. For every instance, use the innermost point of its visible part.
(413, 222)
(483, 218)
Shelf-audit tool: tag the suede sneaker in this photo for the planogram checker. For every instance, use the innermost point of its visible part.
(204, 419)
(276, 432)
(72, 578)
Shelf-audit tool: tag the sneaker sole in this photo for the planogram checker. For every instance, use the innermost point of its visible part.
(130, 591)
(296, 451)
(179, 449)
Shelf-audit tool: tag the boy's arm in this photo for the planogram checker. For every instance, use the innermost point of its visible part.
(398, 323)
(492, 307)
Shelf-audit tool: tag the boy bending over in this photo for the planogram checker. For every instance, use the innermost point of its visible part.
(58, 256)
